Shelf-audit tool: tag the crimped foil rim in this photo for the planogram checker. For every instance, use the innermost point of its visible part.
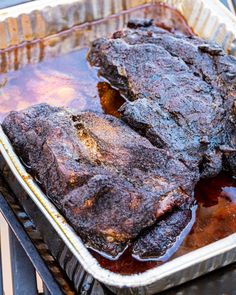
(41, 18)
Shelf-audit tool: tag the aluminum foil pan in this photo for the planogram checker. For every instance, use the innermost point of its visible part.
(37, 20)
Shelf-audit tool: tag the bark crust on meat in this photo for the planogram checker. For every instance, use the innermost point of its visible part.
(108, 181)
(180, 91)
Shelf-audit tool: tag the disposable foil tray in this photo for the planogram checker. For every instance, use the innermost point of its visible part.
(40, 21)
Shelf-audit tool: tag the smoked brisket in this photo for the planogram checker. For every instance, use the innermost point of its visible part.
(108, 181)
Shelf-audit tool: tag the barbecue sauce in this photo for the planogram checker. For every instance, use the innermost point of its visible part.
(67, 80)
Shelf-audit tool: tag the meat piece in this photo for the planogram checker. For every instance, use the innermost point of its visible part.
(139, 23)
(165, 237)
(180, 93)
(108, 181)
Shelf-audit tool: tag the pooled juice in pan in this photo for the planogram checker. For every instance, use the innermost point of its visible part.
(64, 78)
(55, 69)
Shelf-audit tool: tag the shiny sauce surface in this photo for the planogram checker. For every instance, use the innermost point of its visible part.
(66, 79)
(55, 69)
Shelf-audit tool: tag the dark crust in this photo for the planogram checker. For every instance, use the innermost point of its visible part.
(108, 181)
(138, 23)
(162, 238)
(180, 91)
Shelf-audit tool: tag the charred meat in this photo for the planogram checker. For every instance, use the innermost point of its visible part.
(158, 241)
(180, 93)
(108, 181)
